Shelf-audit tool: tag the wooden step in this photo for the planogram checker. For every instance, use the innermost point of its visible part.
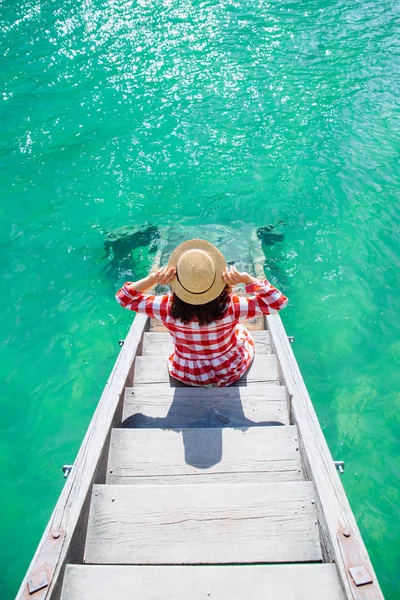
(213, 455)
(160, 344)
(233, 406)
(248, 582)
(254, 324)
(153, 370)
(203, 524)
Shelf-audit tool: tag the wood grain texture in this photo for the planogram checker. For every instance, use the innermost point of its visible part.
(160, 344)
(153, 370)
(334, 511)
(248, 582)
(202, 524)
(71, 510)
(161, 406)
(213, 455)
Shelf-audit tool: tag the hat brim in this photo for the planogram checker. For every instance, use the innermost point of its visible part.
(220, 266)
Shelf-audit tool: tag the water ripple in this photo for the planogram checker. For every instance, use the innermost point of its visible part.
(118, 113)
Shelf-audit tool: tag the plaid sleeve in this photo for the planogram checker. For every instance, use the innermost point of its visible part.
(266, 300)
(146, 304)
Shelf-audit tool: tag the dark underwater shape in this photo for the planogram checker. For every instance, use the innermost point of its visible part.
(268, 237)
(129, 251)
(125, 239)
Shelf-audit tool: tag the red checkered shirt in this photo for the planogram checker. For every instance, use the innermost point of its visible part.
(216, 354)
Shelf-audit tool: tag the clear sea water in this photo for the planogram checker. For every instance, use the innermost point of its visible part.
(247, 114)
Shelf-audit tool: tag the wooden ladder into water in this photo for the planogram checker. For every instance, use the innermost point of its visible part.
(205, 495)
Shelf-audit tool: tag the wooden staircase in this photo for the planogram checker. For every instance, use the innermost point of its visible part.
(205, 495)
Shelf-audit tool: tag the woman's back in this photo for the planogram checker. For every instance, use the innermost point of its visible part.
(217, 353)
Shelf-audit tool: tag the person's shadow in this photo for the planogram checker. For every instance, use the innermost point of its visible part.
(201, 417)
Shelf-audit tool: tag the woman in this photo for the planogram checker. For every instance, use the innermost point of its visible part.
(211, 347)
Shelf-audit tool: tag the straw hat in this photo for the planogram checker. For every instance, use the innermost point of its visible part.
(199, 267)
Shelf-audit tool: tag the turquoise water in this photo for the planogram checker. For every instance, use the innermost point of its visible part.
(245, 114)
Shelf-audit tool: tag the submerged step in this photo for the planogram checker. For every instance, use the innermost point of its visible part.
(239, 582)
(233, 406)
(153, 370)
(203, 524)
(160, 344)
(213, 455)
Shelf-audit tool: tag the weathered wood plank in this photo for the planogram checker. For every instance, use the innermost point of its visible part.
(213, 455)
(255, 324)
(157, 326)
(334, 511)
(254, 582)
(71, 510)
(161, 406)
(222, 523)
(153, 370)
(156, 344)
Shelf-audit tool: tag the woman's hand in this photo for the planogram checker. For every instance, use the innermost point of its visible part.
(162, 276)
(234, 277)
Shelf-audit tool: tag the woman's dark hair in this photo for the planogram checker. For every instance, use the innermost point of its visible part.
(203, 313)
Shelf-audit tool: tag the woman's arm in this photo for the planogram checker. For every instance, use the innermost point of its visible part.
(162, 277)
(266, 300)
(234, 277)
(130, 296)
